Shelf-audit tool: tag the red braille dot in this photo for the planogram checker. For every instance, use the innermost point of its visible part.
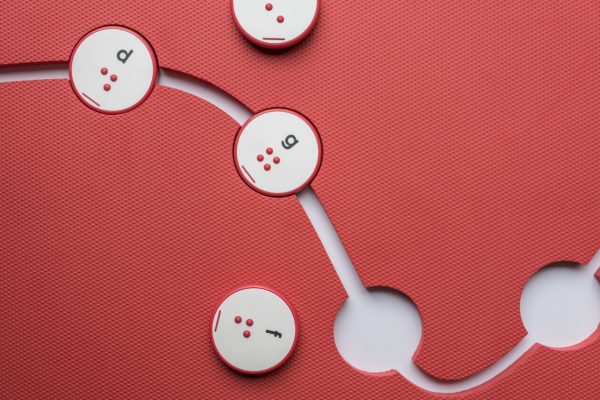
(249, 322)
(280, 19)
(260, 157)
(267, 167)
(269, 6)
(238, 319)
(269, 150)
(107, 87)
(246, 334)
(276, 160)
(104, 71)
(113, 77)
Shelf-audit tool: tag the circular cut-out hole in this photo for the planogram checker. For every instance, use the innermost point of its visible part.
(560, 305)
(380, 333)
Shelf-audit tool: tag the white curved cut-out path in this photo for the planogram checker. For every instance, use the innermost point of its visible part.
(377, 329)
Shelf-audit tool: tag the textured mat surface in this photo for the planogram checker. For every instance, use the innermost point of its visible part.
(460, 142)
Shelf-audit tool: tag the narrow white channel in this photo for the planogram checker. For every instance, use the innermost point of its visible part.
(416, 376)
(594, 265)
(38, 72)
(332, 243)
(215, 96)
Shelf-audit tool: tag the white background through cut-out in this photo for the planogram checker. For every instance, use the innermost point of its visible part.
(408, 324)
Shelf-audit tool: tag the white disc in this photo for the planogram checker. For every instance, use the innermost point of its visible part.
(275, 23)
(254, 330)
(277, 152)
(113, 69)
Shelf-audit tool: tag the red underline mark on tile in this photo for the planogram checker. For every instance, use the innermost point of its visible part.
(90, 99)
(218, 318)
(248, 173)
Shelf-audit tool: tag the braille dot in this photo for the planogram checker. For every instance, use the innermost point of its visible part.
(260, 157)
(113, 77)
(107, 87)
(269, 150)
(104, 71)
(238, 319)
(267, 167)
(276, 160)
(246, 334)
(249, 322)
(269, 7)
(280, 19)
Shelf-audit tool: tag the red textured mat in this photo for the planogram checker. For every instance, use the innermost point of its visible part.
(459, 140)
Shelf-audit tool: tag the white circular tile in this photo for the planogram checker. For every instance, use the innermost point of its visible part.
(278, 152)
(275, 23)
(113, 69)
(254, 330)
